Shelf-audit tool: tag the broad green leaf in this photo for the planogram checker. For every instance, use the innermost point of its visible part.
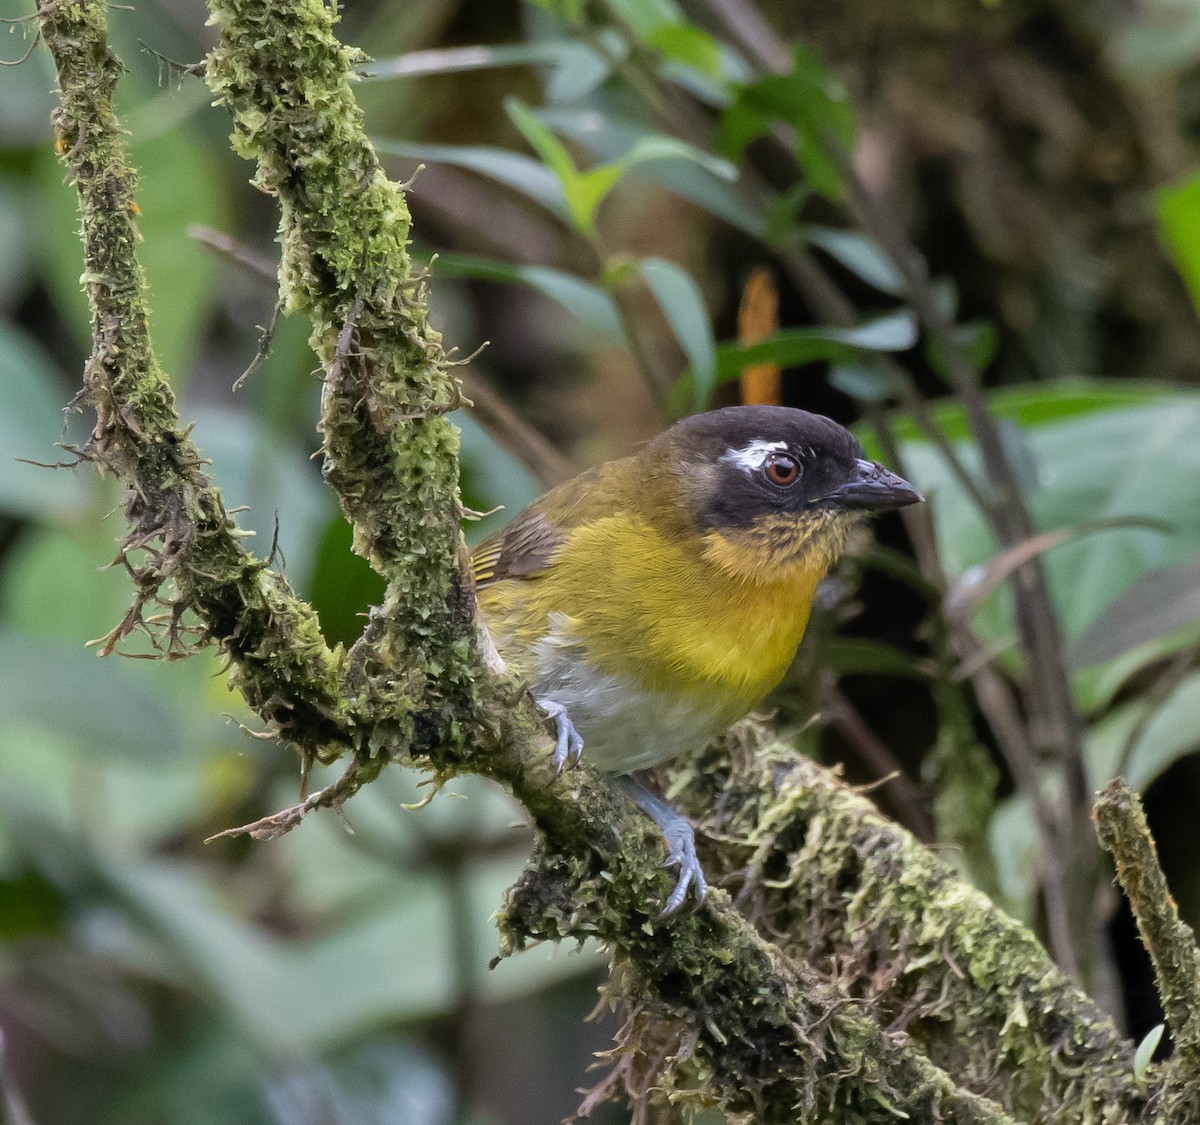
(892, 332)
(1179, 228)
(554, 155)
(795, 346)
(863, 380)
(1016, 849)
(658, 147)
(253, 465)
(57, 582)
(1037, 405)
(32, 394)
(860, 255)
(482, 56)
(856, 656)
(706, 181)
(344, 586)
(102, 707)
(813, 103)
(17, 237)
(1161, 733)
(351, 982)
(688, 45)
(513, 169)
(588, 302)
(117, 756)
(586, 190)
(491, 478)
(1158, 604)
(1102, 452)
(679, 298)
(644, 18)
(29, 89)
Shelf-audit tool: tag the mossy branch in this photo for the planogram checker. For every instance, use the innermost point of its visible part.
(762, 1029)
(1121, 822)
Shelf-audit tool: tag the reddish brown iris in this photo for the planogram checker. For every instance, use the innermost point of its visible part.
(782, 469)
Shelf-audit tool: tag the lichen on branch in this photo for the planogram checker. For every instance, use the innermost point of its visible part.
(390, 453)
(183, 551)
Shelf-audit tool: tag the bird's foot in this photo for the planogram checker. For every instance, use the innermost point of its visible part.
(681, 845)
(568, 743)
(681, 853)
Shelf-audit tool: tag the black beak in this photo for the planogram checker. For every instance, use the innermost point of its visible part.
(872, 488)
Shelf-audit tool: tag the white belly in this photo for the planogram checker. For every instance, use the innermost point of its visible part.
(624, 726)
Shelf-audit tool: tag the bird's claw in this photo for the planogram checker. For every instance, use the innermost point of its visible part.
(681, 853)
(568, 743)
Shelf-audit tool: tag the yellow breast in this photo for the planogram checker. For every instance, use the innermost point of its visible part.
(718, 618)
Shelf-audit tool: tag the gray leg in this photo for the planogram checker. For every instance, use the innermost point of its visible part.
(568, 745)
(681, 843)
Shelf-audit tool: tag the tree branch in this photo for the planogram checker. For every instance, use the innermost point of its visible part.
(1121, 822)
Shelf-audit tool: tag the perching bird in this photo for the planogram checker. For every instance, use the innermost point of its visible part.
(652, 601)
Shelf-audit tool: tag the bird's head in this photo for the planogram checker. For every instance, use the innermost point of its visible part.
(769, 488)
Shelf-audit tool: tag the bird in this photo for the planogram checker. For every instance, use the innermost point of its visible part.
(652, 601)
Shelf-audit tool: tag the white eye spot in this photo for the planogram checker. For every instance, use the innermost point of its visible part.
(751, 458)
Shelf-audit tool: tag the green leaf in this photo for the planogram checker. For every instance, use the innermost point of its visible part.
(865, 381)
(110, 708)
(344, 586)
(688, 45)
(655, 146)
(892, 332)
(491, 477)
(17, 238)
(1016, 847)
(584, 191)
(1161, 734)
(1179, 228)
(554, 155)
(32, 395)
(682, 304)
(795, 346)
(351, 982)
(708, 186)
(644, 18)
(1157, 605)
(573, 68)
(255, 465)
(1145, 1050)
(560, 54)
(860, 255)
(513, 169)
(813, 103)
(855, 656)
(588, 302)
(1091, 444)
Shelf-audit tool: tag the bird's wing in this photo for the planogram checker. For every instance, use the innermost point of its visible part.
(522, 549)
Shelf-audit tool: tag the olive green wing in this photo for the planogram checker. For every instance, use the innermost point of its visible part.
(524, 548)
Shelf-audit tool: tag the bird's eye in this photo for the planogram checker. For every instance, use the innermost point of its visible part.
(782, 469)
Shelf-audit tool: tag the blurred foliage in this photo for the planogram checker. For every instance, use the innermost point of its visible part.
(599, 178)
